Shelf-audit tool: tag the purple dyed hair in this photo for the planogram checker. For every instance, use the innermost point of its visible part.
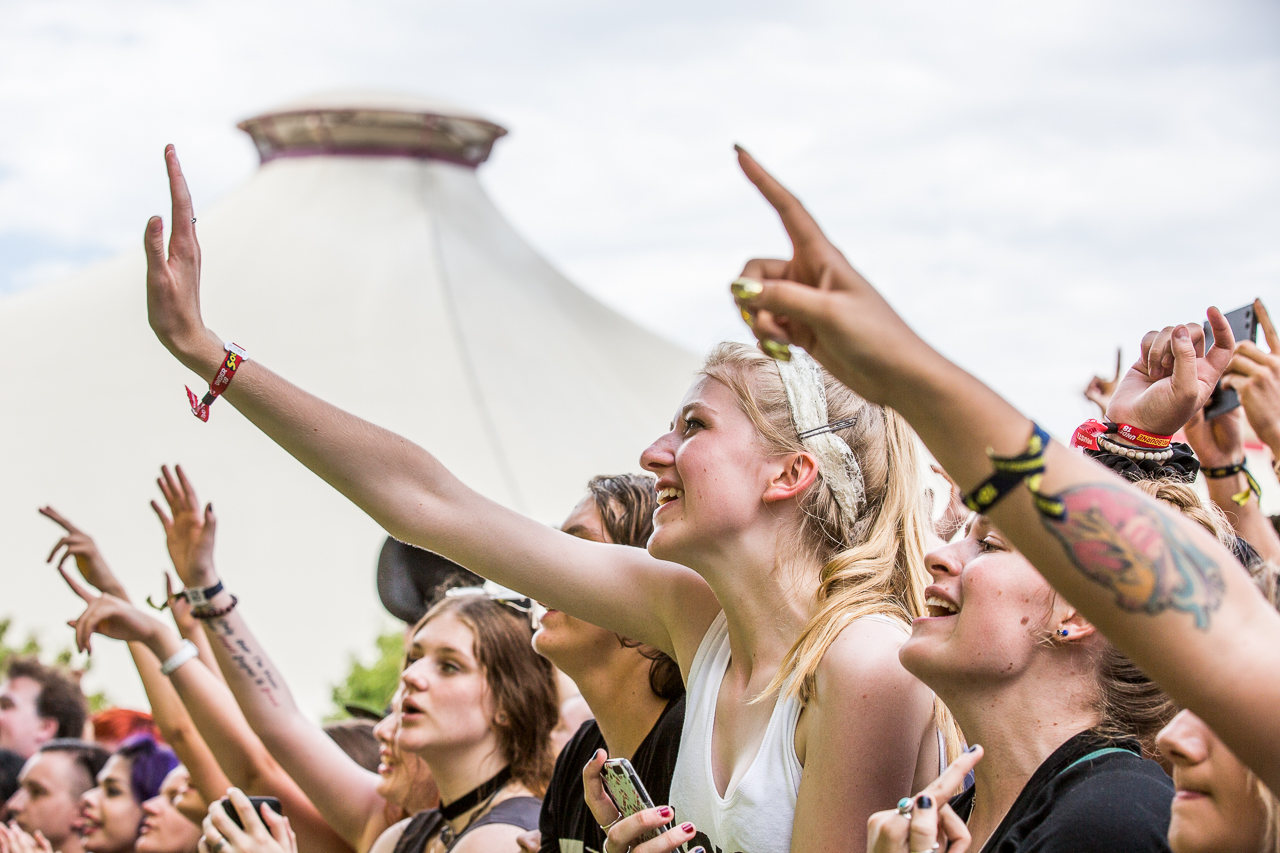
(149, 763)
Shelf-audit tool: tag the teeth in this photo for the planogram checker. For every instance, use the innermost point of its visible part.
(941, 604)
(668, 494)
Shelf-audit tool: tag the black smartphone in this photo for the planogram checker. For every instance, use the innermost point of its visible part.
(1244, 326)
(272, 803)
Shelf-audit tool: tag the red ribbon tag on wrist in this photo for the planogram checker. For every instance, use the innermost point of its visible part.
(230, 364)
(1142, 438)
(1086, 435)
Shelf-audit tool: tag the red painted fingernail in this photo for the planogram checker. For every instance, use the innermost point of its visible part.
(687, 827)
(665, 811)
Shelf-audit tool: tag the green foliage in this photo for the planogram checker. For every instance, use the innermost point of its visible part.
(31, 647)
(371, 686)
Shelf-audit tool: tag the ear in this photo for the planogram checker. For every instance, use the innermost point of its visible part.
(48, 728)
(1075, 625)
(791, 475)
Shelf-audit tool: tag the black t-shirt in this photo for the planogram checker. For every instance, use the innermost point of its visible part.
(566, 823)
(1092, 794)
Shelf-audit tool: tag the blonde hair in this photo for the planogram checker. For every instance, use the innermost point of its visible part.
(873, 563)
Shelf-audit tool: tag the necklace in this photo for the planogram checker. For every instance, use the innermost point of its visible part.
(485, 791)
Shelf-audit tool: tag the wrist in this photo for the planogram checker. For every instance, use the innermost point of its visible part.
(201, 352)
(162, 640)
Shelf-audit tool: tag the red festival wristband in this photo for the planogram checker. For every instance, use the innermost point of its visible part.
(234, 358)
(1086, 435)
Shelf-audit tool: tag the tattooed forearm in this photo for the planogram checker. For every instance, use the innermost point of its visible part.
(247, 659)
(1119, 540)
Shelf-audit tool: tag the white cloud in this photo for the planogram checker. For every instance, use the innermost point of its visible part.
(1031, 184)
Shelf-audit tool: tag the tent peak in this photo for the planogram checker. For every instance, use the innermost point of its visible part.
(373, 124)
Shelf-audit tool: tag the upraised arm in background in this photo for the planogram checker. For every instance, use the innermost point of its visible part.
(1219, 444)
(1156, 583)
(343, 792)
(167, 708)
(407, 490)
(1255, 375)
(209, 725)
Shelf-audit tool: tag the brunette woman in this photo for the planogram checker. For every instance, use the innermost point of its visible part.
(785, 564)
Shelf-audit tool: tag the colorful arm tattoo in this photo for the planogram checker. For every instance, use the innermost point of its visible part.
(1121, 541)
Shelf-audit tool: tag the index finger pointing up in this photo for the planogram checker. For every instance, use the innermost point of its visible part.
(799, 224)
(183, 228)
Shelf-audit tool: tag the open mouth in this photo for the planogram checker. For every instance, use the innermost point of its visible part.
(667, 495)
(936, 607)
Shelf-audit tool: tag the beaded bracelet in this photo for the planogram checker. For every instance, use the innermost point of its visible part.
(215, 614)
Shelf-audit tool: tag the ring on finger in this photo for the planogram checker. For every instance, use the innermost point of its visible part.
(933, 849)
(905, 807)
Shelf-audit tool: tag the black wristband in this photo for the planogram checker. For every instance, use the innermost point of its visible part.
(200, 597)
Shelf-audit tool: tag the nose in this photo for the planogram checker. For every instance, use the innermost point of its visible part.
(414, 676)
(944, 561)
(1184, 740)
(17, 802)
(153, 805)
(659, 455)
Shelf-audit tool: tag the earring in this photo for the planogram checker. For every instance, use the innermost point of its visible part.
(1062, 633)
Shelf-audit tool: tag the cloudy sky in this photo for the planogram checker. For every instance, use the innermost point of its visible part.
(1031, 184)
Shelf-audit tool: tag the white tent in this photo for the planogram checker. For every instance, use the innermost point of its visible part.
(364, 262)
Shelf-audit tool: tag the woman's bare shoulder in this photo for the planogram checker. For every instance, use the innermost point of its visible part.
(388, 840)
(862, 662)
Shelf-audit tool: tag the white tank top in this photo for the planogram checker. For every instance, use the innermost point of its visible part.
(757, 815)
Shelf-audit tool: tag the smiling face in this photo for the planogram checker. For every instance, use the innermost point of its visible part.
(570, 643)
(712, 471)
(48, 796)
(446, 705)
(164, 828)
(988, 612)
(404, 779)
(1217, 806)
(109, 816)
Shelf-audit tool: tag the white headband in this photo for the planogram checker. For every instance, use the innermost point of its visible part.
(807, 395)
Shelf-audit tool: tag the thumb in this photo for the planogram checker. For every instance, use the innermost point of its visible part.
(1184, 363)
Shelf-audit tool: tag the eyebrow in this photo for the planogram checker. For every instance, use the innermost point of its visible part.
(582, 532)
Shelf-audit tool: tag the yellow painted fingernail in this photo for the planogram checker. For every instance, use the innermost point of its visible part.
(746, 289)
(775, 350)
(747, 318)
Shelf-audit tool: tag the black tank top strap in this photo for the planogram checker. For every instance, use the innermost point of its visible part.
(522, 812)
(421, 829)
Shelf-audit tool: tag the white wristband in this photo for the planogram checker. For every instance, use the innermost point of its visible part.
(185, 652)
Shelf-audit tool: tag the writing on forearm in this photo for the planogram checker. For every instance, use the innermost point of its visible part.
(1119, 540)
(247, 659)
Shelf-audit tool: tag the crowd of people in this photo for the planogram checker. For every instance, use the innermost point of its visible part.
(858, 602)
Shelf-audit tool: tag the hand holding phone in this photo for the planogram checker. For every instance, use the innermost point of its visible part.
(1244, 326)
(623, 785)
(271, 802)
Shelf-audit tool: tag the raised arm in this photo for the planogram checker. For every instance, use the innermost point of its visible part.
(1160, 587)
(406, 489)
(259, 723)
(167, 709)
(1219, 445)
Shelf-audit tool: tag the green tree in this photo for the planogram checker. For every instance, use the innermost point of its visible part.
(371, 686)
(32, 647)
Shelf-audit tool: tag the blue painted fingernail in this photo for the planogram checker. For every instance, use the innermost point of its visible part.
(924, 801)
(698, 850)
(971, 748)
